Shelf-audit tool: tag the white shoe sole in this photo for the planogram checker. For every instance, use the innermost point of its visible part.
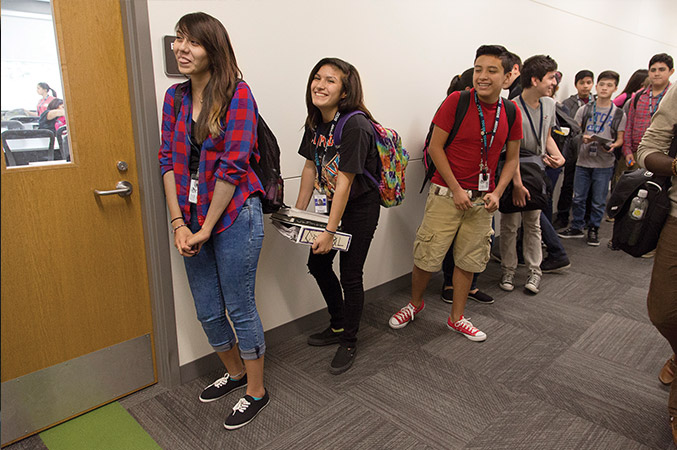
(506, 287)
(235, 427)
(397, 326)
(472, 338)
(531, 288)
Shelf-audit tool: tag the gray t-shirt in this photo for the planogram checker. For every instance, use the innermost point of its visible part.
(530, 139)
(599, 124)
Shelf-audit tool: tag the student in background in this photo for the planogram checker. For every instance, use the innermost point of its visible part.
(515, 80)
(53, 117)
(634, 84)
(645, 104)
(538, 117)
(464, 194)
(583, 81)
(595, 163)
(662, 297)
(43, 91)
(335, 178)
(213, 196)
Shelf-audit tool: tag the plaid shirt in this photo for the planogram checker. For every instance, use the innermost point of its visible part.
(639, 120)
(225, 157)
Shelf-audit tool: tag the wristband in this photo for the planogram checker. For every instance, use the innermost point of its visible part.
(183, 225)
(175, 218)
(330, 232)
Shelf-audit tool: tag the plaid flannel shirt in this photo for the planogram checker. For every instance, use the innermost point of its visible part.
(225, 156)
(639, 120)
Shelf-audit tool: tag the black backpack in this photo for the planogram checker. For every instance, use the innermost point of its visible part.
(638, 237)
(461, 110)
(267, 169)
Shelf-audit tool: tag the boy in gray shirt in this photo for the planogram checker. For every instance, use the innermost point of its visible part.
(603, 125)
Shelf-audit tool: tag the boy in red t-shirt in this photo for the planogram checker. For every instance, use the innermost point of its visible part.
(464, 194)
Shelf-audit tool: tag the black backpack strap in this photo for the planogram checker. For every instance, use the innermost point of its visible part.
(511, 112)
(178, 98)
(459, 115)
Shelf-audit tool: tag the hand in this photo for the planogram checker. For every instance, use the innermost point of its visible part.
(323, 243)
(520, 195)
(181, 236)
(587, 138)
(196, 240)
(629, 160)
(610, 148)
(491, 202)
(462, 200)
(554, 161)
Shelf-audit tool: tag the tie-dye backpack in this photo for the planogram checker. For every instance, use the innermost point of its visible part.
(394, 159)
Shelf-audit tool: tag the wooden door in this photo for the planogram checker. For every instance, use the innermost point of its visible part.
(76, 315)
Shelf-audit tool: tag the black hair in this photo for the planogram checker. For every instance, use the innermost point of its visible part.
(536, 67)
(461, 82)
(514, 59)
(46, 87)
(583, 74)
(609, 75)
(498, 51)
(664, 58)
(54, 104)
(635, 82)
(352, 88)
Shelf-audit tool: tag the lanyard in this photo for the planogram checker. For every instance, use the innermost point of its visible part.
(318, 159)
(658, 99)
(531, 122)
(485, 147)
(600, 129)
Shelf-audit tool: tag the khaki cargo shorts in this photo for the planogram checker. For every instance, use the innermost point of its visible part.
(470, 231)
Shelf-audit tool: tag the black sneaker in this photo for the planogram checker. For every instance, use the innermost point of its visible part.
(448, 295)
(343, 359)
(610, 245)
(570, 233)
(593, 237)
(481, 297)
(221, 387)
(552, 265)
(560, 223)
(245, 411)
(327, 337)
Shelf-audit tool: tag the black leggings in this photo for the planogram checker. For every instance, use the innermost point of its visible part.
(345, 306)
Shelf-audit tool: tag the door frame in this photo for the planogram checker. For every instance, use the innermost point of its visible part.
(143, 101)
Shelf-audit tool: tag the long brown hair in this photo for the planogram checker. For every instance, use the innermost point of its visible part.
(212, 35)
(352, 88)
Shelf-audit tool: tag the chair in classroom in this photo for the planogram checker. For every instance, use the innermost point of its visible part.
(24, 146)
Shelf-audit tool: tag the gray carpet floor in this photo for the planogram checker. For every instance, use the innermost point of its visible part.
(574, 367)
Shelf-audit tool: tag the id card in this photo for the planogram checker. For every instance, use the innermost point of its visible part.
(483, 182)
(192, 194)
(320, 203)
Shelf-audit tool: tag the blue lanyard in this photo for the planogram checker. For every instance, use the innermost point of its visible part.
(658, 99)
(318, 159)
(600, 129)
(485, 148)
(531, 122)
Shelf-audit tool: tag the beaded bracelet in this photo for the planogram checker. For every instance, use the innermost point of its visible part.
(175, 218)
(182, 225)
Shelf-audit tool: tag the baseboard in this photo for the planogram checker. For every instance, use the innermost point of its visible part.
(302, 325)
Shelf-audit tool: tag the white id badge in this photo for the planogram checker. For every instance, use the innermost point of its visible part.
(483, 183)
(192, 194)
(320, 203)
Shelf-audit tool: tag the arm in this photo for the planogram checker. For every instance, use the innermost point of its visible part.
(553, 157)
(520, 194)
(492, 199)
(653, 148)
(306, 188)
(223, 193)
(54, 113)
(181, 231)
(323, 243)
(617, 143)
(439, 157)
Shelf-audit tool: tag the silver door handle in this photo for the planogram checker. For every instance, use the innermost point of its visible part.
(123, 189)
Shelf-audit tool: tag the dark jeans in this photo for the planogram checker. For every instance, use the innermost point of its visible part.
(345, 298)
(566, 193)
(553, 175)
(662, 298)
(552, 243)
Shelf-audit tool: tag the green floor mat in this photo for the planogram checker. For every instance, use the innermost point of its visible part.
(110, 427)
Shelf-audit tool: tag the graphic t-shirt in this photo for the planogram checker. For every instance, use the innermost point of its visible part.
(599, 124)
(356, 154)
(465, 151)
(536, 128)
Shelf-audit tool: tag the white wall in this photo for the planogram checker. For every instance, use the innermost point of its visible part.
(406, 53)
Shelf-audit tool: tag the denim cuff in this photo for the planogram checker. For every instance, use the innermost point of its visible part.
(223, 347)
(254, 353)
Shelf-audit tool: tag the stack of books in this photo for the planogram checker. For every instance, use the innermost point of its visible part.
(303, 227)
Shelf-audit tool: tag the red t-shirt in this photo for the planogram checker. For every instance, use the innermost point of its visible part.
(465, 151)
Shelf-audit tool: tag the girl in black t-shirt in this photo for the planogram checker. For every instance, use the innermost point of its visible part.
(351, 198)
